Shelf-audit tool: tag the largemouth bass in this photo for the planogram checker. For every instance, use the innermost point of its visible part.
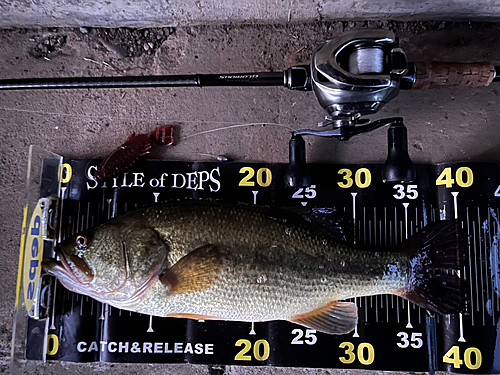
(206, 260)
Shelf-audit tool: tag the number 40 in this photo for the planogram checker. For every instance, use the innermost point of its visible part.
(463, 177)
(452, 356)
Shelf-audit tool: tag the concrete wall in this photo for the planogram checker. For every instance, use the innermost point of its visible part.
(148, 13)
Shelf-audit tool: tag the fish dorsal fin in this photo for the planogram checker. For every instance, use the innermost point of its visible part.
(336, 318)
(195, 272)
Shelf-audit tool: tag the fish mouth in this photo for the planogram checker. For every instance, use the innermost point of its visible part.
(76, 276)
(76, 270)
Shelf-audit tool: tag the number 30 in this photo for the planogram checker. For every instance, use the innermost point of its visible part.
(360, 182)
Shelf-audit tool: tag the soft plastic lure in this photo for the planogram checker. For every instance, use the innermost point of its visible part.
(134, 147)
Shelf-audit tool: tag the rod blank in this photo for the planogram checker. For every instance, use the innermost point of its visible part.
(197, 80)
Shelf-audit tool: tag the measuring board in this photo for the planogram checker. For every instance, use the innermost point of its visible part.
(352, 202)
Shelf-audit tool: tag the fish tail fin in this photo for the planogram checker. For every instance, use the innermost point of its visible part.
(436, 257)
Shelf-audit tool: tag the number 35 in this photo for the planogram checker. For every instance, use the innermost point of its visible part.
(416, 340)
(411, 192)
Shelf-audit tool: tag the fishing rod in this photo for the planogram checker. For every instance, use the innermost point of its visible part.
(352, 75)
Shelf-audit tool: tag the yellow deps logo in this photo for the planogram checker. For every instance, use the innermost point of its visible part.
(33, 253)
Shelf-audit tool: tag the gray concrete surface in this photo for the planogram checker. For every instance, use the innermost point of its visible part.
(447, 125)
(161, 13)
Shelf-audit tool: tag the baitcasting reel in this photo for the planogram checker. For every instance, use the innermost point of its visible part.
(352, 75)
(356, 74)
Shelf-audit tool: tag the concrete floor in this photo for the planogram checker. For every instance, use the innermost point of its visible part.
(447, 125)
(160, 13)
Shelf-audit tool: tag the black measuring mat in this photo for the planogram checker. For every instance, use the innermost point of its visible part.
(349, 200)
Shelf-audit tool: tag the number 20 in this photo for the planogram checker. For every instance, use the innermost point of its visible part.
(264, 177)
(256, 350)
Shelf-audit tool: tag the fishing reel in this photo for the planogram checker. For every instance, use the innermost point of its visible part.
(352, 76)
(355, 75)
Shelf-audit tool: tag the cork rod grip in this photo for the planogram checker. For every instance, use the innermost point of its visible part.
(448, 74)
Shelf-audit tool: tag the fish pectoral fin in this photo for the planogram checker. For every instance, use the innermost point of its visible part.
(195, 272)
(336, 318)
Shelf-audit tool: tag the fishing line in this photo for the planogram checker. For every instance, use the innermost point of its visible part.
(180, 155)
(233, 126)
(40, 112)
(286, 126)
(236, 126)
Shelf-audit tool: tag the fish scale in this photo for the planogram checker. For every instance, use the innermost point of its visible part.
(290, 255)
(202, 259)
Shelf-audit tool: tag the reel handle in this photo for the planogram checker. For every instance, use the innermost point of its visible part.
(398, 167)
(297, 174)
(433, 75)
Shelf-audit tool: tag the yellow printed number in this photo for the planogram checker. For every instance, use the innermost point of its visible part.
(246, 180)
(477, 361)
(66, 173)
(370, 353)
(264, 177)
(347, 178)
(469, 177)
(241, 355)
(452, 356)
(265, 350)
(463, 176)
(365, 352)
(362, 178)
(261, 350)
(350, 356)
(52, 344)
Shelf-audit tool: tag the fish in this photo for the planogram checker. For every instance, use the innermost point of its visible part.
(236, 262)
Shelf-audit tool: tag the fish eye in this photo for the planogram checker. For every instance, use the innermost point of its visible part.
(81, 242)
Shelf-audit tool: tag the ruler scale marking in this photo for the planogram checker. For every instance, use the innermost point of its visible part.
(455, 210)
(354, 214)
(482, 237)
(470, 264)
(475, 263)
(484, 264)
(497, 234)
(490, 229)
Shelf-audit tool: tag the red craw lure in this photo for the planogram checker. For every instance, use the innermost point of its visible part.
(134, 147)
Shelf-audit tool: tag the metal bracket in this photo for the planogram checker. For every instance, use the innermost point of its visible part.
(344, 133)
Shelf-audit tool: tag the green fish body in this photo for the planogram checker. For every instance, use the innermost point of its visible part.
(207, 260)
